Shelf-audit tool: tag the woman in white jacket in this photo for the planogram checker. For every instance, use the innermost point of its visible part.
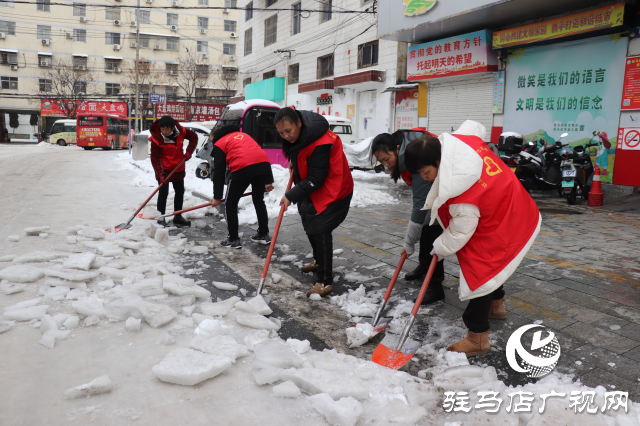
(489, 220)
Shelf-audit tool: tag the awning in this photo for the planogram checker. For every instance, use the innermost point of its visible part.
(156, 34)
(400, 87)
(373, 76)
(314, 86)
(113, 57)
(9, 50)
(229, 66)
(81, 55)
(45, 54)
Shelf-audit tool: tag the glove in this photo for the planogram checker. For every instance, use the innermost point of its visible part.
(411, 237)
(187, 156)
(160, 179)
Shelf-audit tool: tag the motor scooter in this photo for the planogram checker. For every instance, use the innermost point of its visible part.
(577, 177)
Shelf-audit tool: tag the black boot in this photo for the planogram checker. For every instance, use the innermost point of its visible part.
(234, 244)
(162, 222)
(261, 238)
(434, 293)
(181, 222)
(417, 274)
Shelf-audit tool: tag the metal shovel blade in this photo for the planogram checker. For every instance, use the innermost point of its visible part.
(119, 228)
(382, 324)
(391, 358)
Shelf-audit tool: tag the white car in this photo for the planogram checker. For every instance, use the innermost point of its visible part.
(342, 127)
(201, 131)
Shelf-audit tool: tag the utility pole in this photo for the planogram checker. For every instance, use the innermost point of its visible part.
(287, 52)
(138, 124)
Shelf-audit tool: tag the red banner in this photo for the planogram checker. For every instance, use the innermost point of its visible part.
(178, 111)
(631, 87)
(52, 107)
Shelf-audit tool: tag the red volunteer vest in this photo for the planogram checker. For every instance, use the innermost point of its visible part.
(338, 183)
(172, 153)
(241, 151)
(508, 218)
(406, 177)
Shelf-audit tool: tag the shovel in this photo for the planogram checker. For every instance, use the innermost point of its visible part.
(142, 216)
(267, 261)
(127, 224)
(395, 359)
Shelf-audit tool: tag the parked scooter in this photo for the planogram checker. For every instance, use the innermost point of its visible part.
(578, 180)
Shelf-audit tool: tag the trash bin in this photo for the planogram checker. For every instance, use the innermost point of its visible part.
(140, 148)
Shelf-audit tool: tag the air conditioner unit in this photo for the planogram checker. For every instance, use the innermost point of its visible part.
(175, 3)
(338, 90)
(225, 10)
(14, 68)
(205, 55)
(133, 44)
(233, 35)
(68, 35)
(117, 22)
(149, 1)
(46, 42)
(45, 64)
(3, 35)
(232, 57)
(133, 24)
(116, 47)
(173, 72)
(174, 28)
(82, 67)
(83, 19)
(118, 69)
(203, 31)
(157, 47)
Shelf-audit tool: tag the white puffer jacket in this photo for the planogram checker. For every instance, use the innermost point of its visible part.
(460, 168)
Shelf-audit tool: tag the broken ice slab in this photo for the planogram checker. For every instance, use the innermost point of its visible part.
(224, 286)
(344, 412)
(120, 274)
(13, 238)
(221, 345)
(210, 327)
(57, 282)
(88, 306)
(337, 384)
(54, 293)
(162, 236)
(199, 250)
(97, 386)
(260, 305)
(300, 346)
(26, 314)
(464, 377)
(164, 339)
(47, 323)
(132, 324)
(190, 367)
(276, 278)
(7, 258)
(38, 256)
(255, 321)
(277, 354)
(173, 287)
(399, 412)
(36, 230)
(5, 325)
(144, 288)
(21, 273)
(106, 285)
(81, 261)
(72, 322)
(24, 304)
(58, 334)
(265, 375)
(48, 341)
(218, 308)
(124, 307)
(9, 288)
(245, 307)
(156, 315)
(131, 245)
(71, 274)
(287, 389)
(92, 233)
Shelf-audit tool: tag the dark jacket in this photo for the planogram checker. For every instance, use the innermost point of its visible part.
(419, 189)
(156, 150)
(314, 126)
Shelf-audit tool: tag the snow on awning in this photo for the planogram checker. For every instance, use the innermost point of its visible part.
(156, 34)
(45, 54)
(229, 66)
(172, 63)
(81, 55)
(400, 87)
(9, 50)
(113, 57)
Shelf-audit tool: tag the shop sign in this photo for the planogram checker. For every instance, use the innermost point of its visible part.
(498, 92)
(200, 112)
(326, 100)
(559, 88)
(463, 54)
(592, 20)
(417, 7)
(627, 157)
(53, 107)
(631, 87)
(407, 109)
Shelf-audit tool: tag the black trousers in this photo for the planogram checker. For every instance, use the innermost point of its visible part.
(322, 246)
(476, 316)
(427, 238)
(235, 189)
(178, 188)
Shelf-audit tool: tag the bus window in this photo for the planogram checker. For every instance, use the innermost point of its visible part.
(230, 117)
(69, 128)
(90, 121)
(259, 125)
(57, 128)
(341, 130)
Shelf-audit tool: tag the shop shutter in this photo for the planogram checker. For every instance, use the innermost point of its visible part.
(450, 104)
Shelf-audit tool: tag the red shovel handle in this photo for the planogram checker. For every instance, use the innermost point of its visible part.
(198, 207)
(265, 269)
(425, 285)
(395, 277)
(158, 188)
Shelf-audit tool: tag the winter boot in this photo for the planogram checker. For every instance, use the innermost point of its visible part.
(181, 222)
(261, 238)
(311, 267)
(498, 310)
(162, 222)
(320, 289)
(417, 274)
(234, 244)
(434, 293)
(472, 345)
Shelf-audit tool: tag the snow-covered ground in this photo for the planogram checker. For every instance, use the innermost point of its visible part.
(110, 329)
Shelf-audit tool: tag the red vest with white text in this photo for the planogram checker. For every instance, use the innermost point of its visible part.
(172, 153)
(241, 151)
(406, 177)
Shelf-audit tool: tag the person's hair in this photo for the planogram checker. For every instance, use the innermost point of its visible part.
(387, 142)
(167, 121)
(223, 131)
(287, 113)
(422, 152)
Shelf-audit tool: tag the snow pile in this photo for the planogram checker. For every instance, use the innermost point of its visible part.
(357, 303)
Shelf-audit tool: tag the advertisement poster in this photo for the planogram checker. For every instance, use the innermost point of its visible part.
(351, 112)
(628, 157)
(463, 54)
(592, 20)
(407, 109)
(52, 108)
(631, 87)
(573, 87)
(498, 92)
(178, 111)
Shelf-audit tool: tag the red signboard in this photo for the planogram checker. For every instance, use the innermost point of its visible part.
(631, 87)
(178, 110)
(52, 107)
(627, 157)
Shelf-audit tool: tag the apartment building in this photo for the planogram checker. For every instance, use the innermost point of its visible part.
(96, 43)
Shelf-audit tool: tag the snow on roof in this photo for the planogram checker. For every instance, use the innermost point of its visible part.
(400, 87)
(336, 118)
(229, 66)
(243, 105)
(43, 53)
(82, 55)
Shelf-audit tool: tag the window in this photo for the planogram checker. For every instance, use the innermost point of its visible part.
(248, 41)
(6, 3)
(270, 30)
(294, 74)
(230, 3)
(368, 54)
(9, 83)
(341, 130)
(79, 35)
(112, 13)
(271, 2)
(171, 92)
(245, 82)
(44, 32)
(79, 9)
(325, 66)
(203, 47)
(112, 89)
(268, 75)
(8, 58)
(111, 64)
(203, 22)
(249, 12)
(297, 18)
(201, 95)
(172, 43)
(45, 85)
(326, 11)
(203, 2)
(144, 67)
(202, 71)
(112, 38)
(7, 27)
(79, 62)
(45, 60)
(80, 87)
(144, 40)
(145, 16)
(228, 49)
(230, 25)
(229, 73)
(44, 5)
(172, 69)
(172, 19)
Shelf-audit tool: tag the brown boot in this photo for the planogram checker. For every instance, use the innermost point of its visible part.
(311, 267)
(472, 345)
(498, 311)
(320, 289)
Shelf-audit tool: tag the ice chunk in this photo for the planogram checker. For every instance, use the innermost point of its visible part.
(199, 250)
(57, 282)
(106, 285)
(315, 296)
(330, 359)
(344, 412)
(162, 236)
(260, 305)
(164, 339)
(464, 377)
(266, 375)
(149, 287)
(7, 258)
(359, 335)
(97, 386)
(181, 289)
(276, 278)
(210, 327)
(338, 384)
(219, 308)
(300, 346)
(54, 293)
(124, 307)
(12, 288)
(88, 306)
(36, 230)
(13, 238)
(399, 412)
(58, 334)
(118, 274)
(199, 318)
(224, 286)
(38, 256)
(277, 354)
(142, 269)
(60, 319)
(71, 274)
(219, 345)
(187, 311)
(132, 324)
(255, 321)
(131, 245)
(81, 261)
(287, 389)
(48, 341)
(156, 315)
(72, 322)
(92, 233)
(338, 251)
(47, 323)
(152, 230)
(21, 273)
(455, 359)
(24, 304)
(77, 293)
(5, 325)
(72, 239)
(244, 306)
(91, 320)
(190, 367)
(26, 314)
(288, 258)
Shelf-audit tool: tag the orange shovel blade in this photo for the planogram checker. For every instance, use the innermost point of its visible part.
(390, 357)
